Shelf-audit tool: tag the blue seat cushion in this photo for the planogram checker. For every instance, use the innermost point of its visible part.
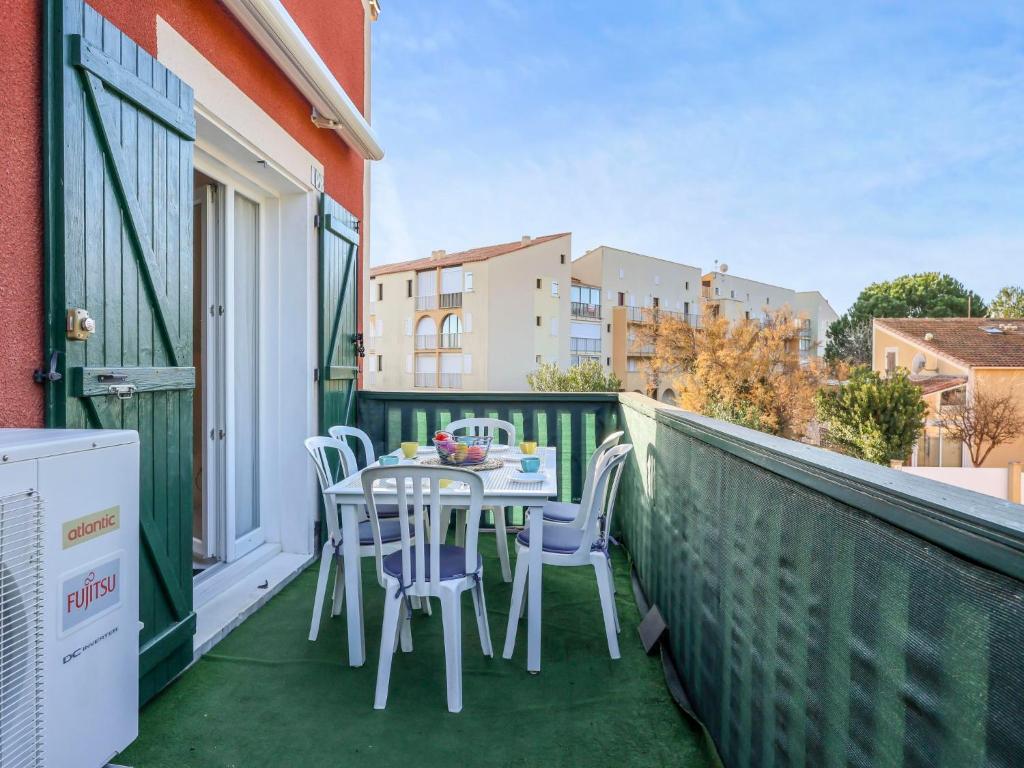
(390, 532)
(453, 563)
(560, 511)
(387, 510)
(563, 539)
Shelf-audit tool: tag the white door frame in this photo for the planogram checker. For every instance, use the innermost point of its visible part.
(210, 544)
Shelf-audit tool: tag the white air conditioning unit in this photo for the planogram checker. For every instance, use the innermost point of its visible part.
(69, 598)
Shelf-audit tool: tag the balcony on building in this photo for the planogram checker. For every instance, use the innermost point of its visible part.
(426, 341)
(655, 314)
(451, 300)
(450, 381)
(581, 346)
(426, 303)
(585, 301)
(583, 311)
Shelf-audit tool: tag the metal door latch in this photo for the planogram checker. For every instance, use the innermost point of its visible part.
(123, 391)
(41, 376)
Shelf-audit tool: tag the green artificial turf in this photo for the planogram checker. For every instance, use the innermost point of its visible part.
(266, 696)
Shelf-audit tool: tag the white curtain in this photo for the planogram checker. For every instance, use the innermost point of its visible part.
(451, 280)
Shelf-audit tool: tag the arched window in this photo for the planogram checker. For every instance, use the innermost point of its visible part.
(451, 332)
(426, 333)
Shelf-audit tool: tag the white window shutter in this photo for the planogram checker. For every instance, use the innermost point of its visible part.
(554, 325)
(657, 280)
(408, 363)
(408, 326)
(467, 363)
(467, 322)
(622, 273)
(380, 326)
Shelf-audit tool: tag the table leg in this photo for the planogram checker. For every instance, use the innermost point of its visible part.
(536, 524)
(353, 585)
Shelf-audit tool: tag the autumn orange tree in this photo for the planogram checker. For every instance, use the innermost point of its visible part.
(988, 417)
(746, 372)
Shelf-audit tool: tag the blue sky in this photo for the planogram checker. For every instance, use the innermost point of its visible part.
(811, 145)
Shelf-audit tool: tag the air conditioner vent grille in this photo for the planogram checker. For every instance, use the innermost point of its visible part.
(21, 630)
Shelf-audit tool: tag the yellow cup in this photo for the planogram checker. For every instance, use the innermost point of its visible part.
(528, 447)
(409, 449)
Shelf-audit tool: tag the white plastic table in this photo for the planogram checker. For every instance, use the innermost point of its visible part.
(499, 491)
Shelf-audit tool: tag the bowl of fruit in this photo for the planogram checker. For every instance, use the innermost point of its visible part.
(462, 450)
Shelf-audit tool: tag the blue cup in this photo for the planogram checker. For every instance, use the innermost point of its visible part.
(530, 463)
(388, 460)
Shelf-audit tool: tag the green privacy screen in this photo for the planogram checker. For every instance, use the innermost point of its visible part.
(822, 611)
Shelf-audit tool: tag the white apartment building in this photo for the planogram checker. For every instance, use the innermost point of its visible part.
(613, 293)
(480, 319)
(739, 298)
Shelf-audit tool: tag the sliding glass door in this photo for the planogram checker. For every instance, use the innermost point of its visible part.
(244, 531)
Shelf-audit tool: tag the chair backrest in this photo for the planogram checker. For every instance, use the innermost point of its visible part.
(486, 428)
(320, 449)
(341, 432)
(419, 488)
(606, 482)
(588, 482)
(613, 491)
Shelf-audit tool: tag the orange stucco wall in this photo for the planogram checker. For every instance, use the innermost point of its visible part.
(336, 30)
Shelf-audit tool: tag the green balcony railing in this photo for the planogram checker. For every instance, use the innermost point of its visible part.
(824, 611)
(574, 423)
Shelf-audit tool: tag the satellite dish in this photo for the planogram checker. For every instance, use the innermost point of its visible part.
(723, 268)
(917, 365)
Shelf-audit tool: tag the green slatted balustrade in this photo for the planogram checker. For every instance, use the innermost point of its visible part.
(575, 423)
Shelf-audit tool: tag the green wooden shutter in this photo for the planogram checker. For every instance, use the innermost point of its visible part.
(339, 308)
(118, 152)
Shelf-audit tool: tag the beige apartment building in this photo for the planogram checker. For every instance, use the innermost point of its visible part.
(613, 293)
(480, 319)
(739, 298)
(484, 318)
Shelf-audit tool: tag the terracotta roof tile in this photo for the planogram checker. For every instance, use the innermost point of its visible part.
(964, 339)
(932, 384)
(462, 257)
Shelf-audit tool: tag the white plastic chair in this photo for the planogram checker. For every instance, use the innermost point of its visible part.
(386, 542)
(569, 512)
(570, 546)
(482, 427)
(343, 431)
(436, 570)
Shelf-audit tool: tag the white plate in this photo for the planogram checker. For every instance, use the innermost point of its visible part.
(499, 448)
(528, 477)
